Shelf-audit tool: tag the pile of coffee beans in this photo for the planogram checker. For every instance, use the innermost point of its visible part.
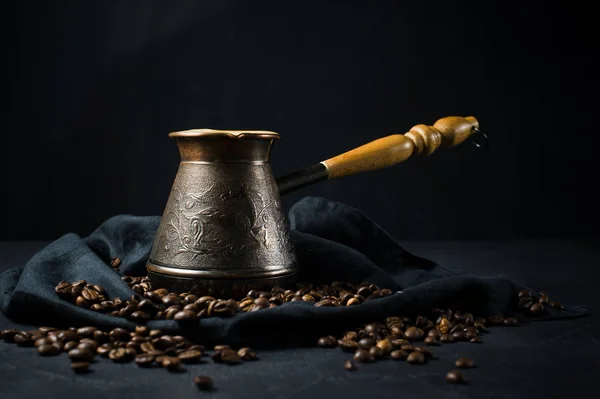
(398, 337)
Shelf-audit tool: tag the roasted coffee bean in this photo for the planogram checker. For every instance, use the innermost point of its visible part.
(347, 345)
(430, 340)
(164, 342)
(87, 346)
(171, 300)
(525, 294)
(142, 331)
(366, 343)
(414, 333)
(184, 315)
(67, 336)
(525, 302)
(327, 342)
(9, 335)
(144, 360)
(496, 319)
(82, 302)
(23, 339)
(203, 382)
(190, 356)
(426, 351)
(397, 330)
(349, 365)
(351, 335)
(556, 305)
(447, 338)
(537, 308)
(42, 341)
(457, 327)
(363, 356)
(90, 295)
(104, 349)
(543, 297)
(353, 302)
(171, 363)
(83, 355)
(510, 321)
(399, 354)
(80, 367)
(464, 363)
(385, 345)
(455, 377)
(444, 326)
(475, 340)
(119, 334)
(220, 347)
(70, 345)
(49, 349)
(459, 336)
(230, 357)
(376, 352)
(115, 262)
(140, 316)
(247, 354)
(416, 358)
(146, 305)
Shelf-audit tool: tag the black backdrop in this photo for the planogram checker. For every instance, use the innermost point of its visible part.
(93, 88)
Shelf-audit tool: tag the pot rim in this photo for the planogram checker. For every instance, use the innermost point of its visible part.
(234, 134)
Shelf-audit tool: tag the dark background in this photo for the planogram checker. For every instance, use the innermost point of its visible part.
(93, 88)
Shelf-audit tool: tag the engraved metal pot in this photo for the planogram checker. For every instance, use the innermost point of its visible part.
(223, 231)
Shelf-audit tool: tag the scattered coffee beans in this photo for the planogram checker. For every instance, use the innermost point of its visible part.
(464, 363)
(455, 377)
(349, 365)
(203, 382)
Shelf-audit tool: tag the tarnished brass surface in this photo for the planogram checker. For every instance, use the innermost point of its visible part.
(223, 225)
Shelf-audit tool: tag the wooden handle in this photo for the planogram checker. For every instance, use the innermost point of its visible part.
(391, 150)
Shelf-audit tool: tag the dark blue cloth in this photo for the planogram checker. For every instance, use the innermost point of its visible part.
(333, 242)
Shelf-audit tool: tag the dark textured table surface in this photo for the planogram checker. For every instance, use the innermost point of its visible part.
(541, 359)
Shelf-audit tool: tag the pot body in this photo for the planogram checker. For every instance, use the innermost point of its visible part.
(223, 230)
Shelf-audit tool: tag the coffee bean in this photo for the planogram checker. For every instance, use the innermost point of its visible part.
(184, 315)
(9, 335)
(327, 342)
(104, 349)
(398, 343)
(430, 340)
(455, 377)
(416, 358)
(115, 262)
(366, 343)
(140, 316)
(203, 382)
(190, 356)
(496, 319)
(119, 334)
(86, 331)
(87, 346)
(171, 300)
(89, 294)
(170, 363)
(353, 302)
(230, 357)
(144, 360)
(525, 294)
(537, 308)
(363, 356)
(414, 333)
(247, 354)
(525, 303)
(42, 341)
(543, 297)
(80, 367)
(49, 349)
(351, 335)
(399, 354)
(118, 355)
(81, 302)
(347, 345)
(447, 338)
(459, 336)
(376, 352)
(510, 321)
(349, 365)
(464, 363)
(78, 354)
(426, 351)
(385, 345)
(475, 340)
(70, 345)
(23, 339)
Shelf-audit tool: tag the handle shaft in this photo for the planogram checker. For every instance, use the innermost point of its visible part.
(391, 150)
(387, 151)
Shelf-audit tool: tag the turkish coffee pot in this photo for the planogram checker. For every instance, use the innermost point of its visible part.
(224, 232)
